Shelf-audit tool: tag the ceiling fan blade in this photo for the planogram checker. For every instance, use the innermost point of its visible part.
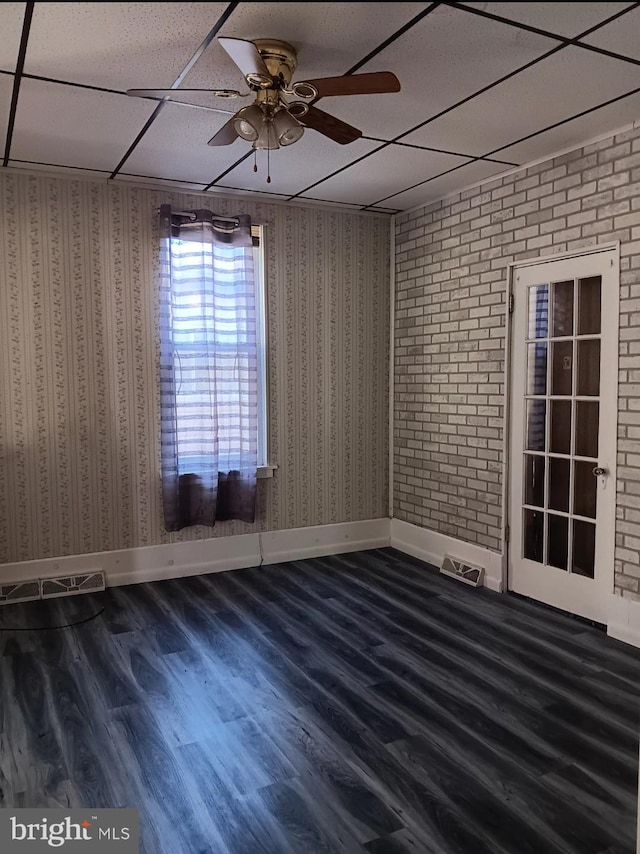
(246, 56)
(374, 83)
(330, 126)
(163, 93)
(225, 136)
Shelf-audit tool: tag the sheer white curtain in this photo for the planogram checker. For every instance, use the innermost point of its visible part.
(208, 369)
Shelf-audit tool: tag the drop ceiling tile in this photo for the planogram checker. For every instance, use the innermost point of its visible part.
(574, 133)
(295, 167)
(391, 169)
(6, 89)
(260, 196)
(175, 146)
(443, 59)
(325, 203)
(12, 20)
(154, 182)
(329, 37)
(117, 45)
(61, 171)
(568, 82)
(564, 19)
(620, 36)
(234, 192)
(462, 178)
(75, 127)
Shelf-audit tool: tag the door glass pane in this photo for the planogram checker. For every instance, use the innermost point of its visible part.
(537, 369)
(538, 311)
(561, 367)
(560, 442)
(534, 480)
(533, 535)
(557, 541)
(536, 414)
(563, 352)
(584, 489)
(584, 548)
(589, 306)
(589, 367)
(562, 311)
(559, 484)
(587, 426)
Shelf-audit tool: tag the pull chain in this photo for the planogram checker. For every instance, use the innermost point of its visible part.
(268, 153)
(255, 164)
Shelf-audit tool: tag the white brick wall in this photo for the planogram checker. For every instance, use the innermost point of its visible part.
(451, 268)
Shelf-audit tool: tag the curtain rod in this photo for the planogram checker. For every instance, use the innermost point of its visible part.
(192, 215)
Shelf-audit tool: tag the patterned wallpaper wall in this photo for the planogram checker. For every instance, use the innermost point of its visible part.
(79, 442)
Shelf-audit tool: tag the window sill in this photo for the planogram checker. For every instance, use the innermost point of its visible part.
(266, 471)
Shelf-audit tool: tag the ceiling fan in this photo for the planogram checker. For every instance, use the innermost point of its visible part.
(281, 110)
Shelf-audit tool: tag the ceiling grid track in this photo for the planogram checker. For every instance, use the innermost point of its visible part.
(17, 80)
(213, 32)
(400, 32)
(568, 42)
(565, 42)
(399, 141)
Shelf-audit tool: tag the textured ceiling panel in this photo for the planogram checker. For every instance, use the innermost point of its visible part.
(56, 169)
(621, 36)
(565, 84)
(446, 184)
(151, 182)
(176, 147)
(6, 88)
(117, 45)
(564, 19)
(294, 168)
(572, 134)
(385, 172)
(441, 60)
(12, 15)
(329, 37)
(75, 127)
(266, 197)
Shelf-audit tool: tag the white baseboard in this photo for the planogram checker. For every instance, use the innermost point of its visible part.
(301, 543)
(431, 547)
(197, 557)
(623, 622)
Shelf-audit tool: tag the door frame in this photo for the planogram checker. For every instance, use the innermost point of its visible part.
(512, 268)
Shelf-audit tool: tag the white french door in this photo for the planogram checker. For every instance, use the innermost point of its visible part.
(564, 376)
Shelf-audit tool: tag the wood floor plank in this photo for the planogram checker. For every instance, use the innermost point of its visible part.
(356, 703)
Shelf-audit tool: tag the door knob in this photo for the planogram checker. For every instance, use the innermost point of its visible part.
(598, 471)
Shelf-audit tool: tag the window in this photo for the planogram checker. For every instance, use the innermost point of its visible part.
(190, 353)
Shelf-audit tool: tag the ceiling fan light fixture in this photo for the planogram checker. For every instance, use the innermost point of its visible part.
(287, 129)
(248, 122)
(267, 138)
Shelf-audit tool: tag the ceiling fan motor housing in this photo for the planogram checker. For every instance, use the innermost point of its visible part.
(281, 60)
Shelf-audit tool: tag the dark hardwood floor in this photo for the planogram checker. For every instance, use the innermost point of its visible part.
(355, 703)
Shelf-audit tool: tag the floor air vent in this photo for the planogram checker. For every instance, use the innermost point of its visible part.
(458, 569)
(72, 585)
(20, 591)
